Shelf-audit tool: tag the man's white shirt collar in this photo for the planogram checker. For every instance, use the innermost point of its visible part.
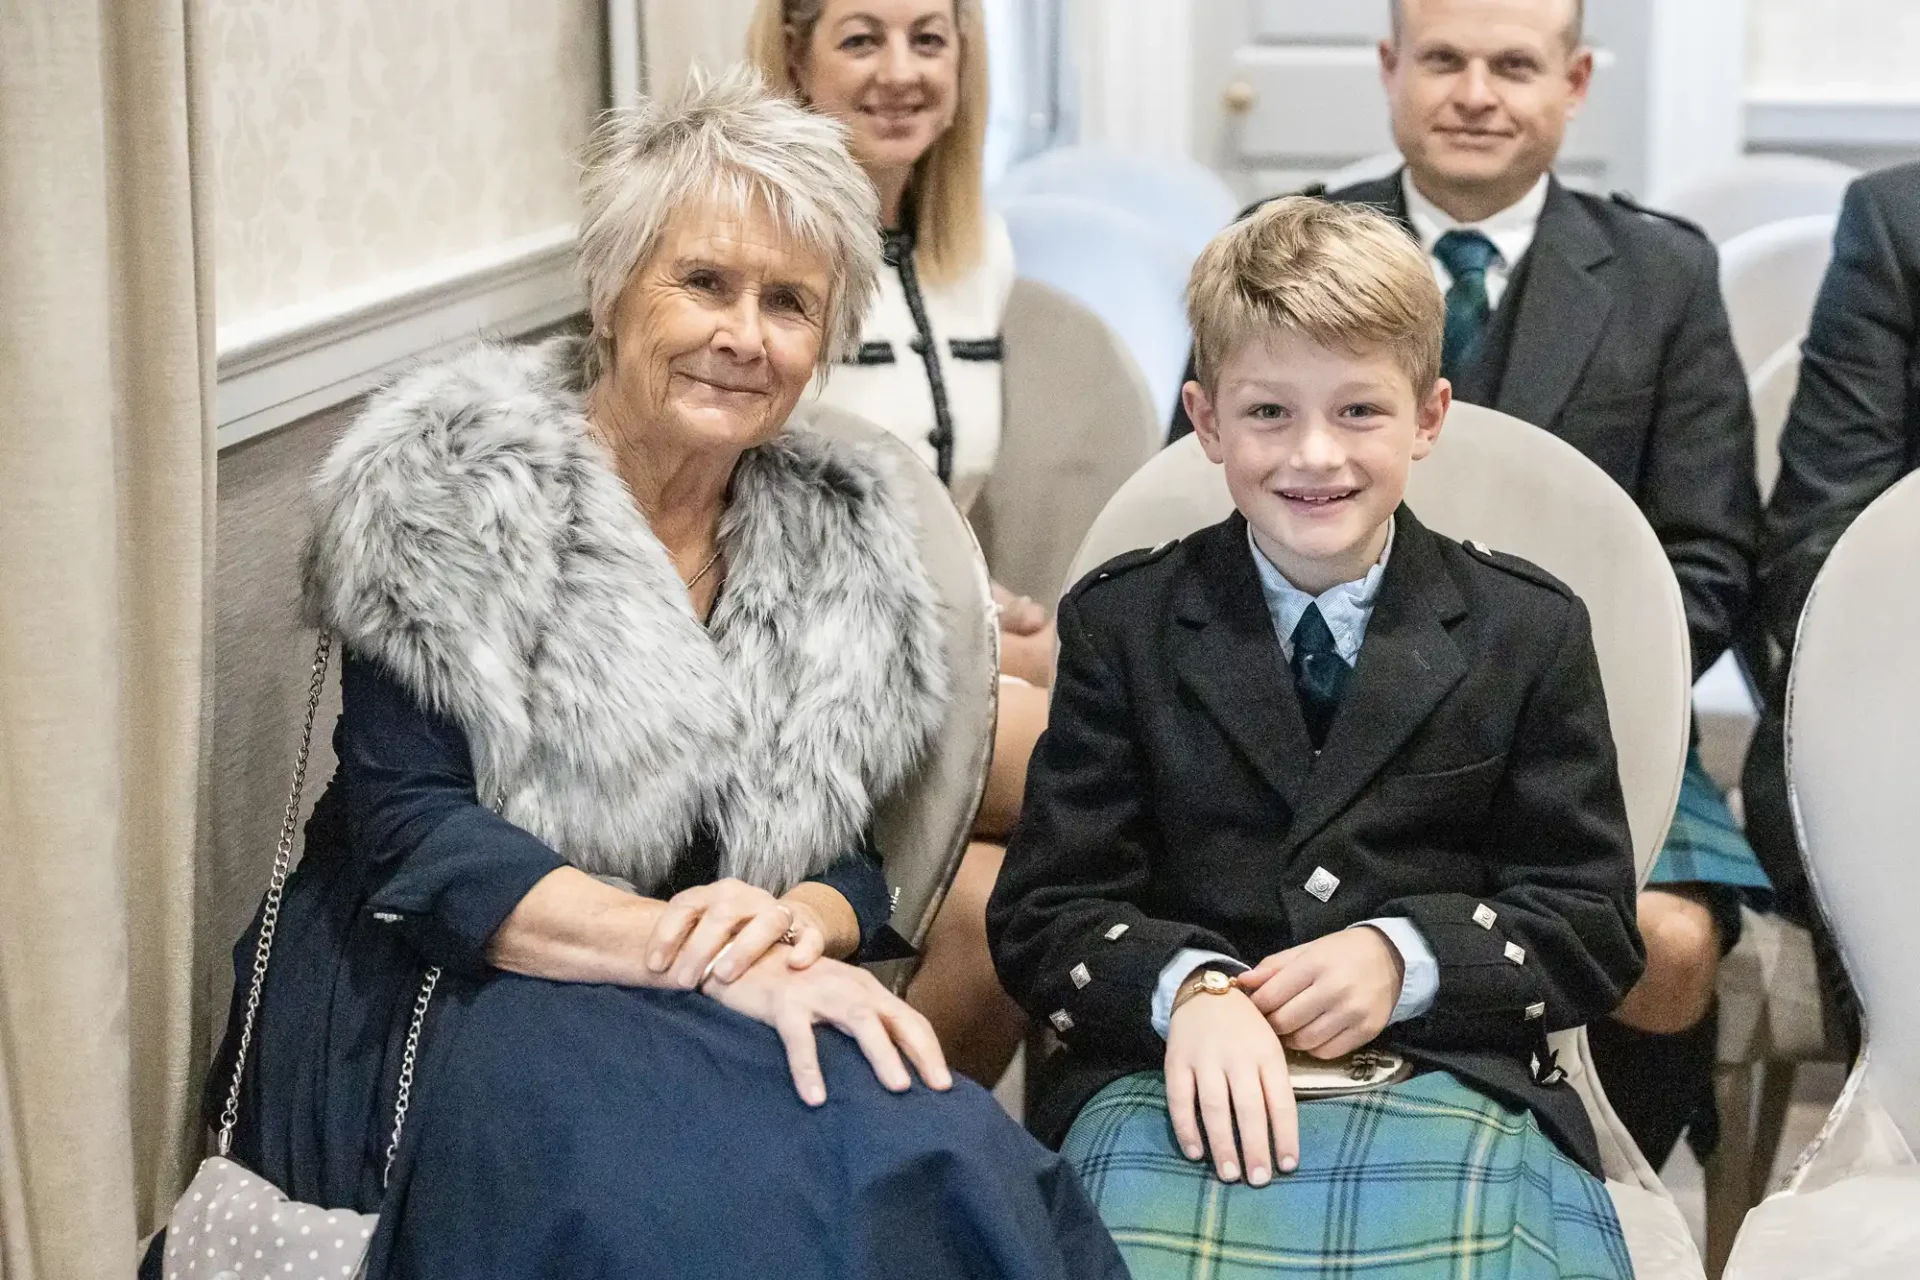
(1511, 230)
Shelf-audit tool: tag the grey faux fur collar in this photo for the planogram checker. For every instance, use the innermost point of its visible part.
(474, 538)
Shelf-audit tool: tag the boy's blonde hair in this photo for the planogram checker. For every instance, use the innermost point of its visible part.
(1339, 275)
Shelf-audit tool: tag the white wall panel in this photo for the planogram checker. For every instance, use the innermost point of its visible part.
(686, 33)
(1314, 20)
(358, 140)
(1834, 49)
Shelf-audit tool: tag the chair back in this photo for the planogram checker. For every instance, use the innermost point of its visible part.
(1572, 520)
(1382, 164)
(1756, 190)
(1772, 388)
(1770, 277)
(1185, 201)
(1122, 268)
(1852, 741)
(1078, 421)
(922, 829)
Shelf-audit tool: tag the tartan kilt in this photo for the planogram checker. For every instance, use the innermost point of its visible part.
(1706, 846)
(1422, 1180)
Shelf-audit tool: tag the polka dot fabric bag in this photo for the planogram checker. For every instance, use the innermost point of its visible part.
(232, 1224)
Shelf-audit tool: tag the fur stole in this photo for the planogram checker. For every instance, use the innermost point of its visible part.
(473, 537)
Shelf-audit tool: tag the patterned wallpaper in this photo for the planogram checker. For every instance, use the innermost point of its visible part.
(1834, 49)
(357, 139)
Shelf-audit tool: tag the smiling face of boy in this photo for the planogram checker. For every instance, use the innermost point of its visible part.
(1317, 442)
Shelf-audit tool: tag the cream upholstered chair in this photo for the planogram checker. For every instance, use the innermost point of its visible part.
(1129, 272)
(1078, 421)
(1187, 201)
(922, 830)
(1770, 277)
(1756, 190)
(1852, 1204)
(1771, 387)
(1583, 528)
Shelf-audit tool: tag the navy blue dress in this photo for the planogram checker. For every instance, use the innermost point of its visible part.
(574, 1130)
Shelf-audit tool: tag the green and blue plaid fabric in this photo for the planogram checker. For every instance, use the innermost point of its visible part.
(1706, 846)
(1423, 1180)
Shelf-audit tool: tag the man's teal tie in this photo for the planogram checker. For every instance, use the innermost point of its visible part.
(1466, 255)
(1319, 672)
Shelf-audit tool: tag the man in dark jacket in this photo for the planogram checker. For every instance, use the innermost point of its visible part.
(1853, 431)
(1603, 323)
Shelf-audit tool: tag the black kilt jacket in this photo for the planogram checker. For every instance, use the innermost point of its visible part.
(1613, 336)
(1468, 783)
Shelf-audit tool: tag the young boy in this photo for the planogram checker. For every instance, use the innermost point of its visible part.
(1315, 779)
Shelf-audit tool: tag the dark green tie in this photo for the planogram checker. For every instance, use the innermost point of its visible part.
(1466, 255)
(1319, 672)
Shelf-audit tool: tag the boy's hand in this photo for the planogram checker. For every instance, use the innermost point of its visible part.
(1329, 996)
(1222, 1054)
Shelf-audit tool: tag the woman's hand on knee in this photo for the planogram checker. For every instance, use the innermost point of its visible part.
(794, 1001)
(1225, 1069)
(719, 930)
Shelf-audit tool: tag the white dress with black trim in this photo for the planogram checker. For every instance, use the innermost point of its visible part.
(928, 369)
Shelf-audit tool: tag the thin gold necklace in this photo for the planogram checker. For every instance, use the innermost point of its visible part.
(694, 581)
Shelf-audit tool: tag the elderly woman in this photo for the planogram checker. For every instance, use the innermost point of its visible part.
(908, 80)
(630, 662)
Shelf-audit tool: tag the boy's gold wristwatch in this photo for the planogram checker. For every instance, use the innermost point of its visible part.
(1211, 982)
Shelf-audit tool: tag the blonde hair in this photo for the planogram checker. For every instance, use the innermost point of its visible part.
(725, 144)
(949, 206)
(1339, 275)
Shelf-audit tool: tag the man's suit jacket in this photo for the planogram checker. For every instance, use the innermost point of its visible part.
(1612, 334)
(1854, 430)
(1174, 801)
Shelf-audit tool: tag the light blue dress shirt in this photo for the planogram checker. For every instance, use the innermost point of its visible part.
(1346, 608)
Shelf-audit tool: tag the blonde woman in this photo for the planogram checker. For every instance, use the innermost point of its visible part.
(908, 79)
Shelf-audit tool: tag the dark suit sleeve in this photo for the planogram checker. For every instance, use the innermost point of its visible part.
(1560, 865)
(446, 870)
(1846, 440)
(1080, 861)
(1700, 493)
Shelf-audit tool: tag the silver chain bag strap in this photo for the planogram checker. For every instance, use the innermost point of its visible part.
(231, 1223)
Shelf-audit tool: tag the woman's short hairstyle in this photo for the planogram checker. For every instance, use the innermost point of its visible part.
(1340, 275)
(726, 145)
(949, 207)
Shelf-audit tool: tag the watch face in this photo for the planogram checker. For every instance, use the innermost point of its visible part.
(1216, 982)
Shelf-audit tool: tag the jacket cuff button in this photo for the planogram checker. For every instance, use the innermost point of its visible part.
(1062, 1021)
(1484, 916)
(1516, 953)
(1538, 1009)
(1117, 932)
(1081, 977)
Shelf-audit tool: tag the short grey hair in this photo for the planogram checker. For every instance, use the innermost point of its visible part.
(731, 144)
(1576, 26)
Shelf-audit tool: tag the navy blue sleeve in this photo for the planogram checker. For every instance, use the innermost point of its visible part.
(445, 870)
(859, 878)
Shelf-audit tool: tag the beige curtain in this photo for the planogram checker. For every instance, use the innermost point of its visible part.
(106, 468)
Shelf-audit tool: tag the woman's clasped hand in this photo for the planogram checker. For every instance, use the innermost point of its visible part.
(717, 930)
